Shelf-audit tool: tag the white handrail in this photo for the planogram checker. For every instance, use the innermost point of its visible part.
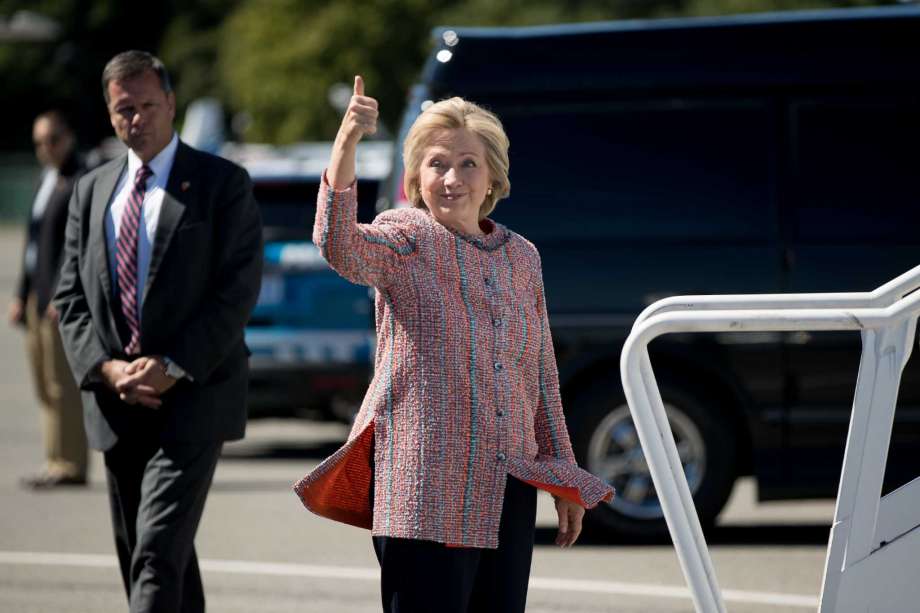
(887, 306)
(882, 296)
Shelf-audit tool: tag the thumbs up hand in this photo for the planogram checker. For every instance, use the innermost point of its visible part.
(360, 116)
(360, 119)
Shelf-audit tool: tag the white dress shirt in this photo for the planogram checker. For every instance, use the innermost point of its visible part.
(49, 182)
(161, 166)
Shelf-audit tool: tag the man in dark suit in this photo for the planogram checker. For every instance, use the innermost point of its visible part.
(62, 417)
(161, 270)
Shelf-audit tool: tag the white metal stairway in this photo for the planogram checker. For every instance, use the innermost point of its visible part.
(873, 557)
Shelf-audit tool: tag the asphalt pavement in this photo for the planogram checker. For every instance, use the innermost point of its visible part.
(261, 551)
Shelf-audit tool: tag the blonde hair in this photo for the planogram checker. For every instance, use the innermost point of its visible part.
(453, 114)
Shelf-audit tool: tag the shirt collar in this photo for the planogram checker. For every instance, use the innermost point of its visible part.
(159, 165)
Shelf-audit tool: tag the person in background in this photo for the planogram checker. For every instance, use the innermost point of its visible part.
(463, 420)
(162, 267)
(62, 414)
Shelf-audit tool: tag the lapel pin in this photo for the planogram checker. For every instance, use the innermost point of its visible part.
(185, 185)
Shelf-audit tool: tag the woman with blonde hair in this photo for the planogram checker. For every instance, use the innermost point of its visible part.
(463, 420)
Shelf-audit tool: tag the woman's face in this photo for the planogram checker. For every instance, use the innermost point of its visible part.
(454, 178)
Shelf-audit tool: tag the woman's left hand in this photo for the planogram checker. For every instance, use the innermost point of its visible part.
(570, 516)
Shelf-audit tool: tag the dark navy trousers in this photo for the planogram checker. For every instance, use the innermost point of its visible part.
(426, 577)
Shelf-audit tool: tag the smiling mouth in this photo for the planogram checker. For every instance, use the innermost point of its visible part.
(452, 196)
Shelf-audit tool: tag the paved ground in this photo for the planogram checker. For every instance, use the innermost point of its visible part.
(263, 552)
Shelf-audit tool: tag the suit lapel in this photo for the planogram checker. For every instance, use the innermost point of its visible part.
(179, 192)
(102, 196)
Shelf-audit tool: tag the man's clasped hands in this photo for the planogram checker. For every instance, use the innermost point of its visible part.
(141, 382)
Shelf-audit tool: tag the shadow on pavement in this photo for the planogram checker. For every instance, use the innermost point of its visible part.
(770, 534)
(283, 451)
(252, 485)
(766, 535)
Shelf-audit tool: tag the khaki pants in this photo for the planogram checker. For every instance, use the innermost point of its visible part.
(62, 410)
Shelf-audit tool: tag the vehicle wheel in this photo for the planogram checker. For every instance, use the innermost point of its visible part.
(606, 444)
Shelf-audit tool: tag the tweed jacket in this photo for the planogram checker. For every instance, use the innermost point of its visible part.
(465, 388)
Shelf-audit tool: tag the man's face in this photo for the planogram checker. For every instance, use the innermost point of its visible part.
(142, 114)
(53, 142)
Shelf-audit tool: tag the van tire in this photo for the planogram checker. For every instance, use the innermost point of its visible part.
(601, 430)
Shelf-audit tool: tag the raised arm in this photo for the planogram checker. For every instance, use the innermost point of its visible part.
(370, 254)
(360, 119)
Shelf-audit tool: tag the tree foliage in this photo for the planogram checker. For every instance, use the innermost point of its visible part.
(279, 59)
(66, 73)
(275, 60)
(189, 47)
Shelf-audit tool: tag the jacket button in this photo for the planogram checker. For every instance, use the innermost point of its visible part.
(496, 322)
(500, 412)
(498, 366)
(500, 456)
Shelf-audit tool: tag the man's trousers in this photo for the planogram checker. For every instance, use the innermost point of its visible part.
(157, 494)
(61, 407)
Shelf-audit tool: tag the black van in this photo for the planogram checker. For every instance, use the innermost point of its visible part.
(752, 154)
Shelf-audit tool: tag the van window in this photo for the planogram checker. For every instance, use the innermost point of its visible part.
(673, 170)
(855, 168)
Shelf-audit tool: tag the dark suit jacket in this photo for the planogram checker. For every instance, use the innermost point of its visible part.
(204, 279)
(47, 234)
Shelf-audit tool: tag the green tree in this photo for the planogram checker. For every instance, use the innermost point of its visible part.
(278, 60)
(190, 47)
(275, 59)
(66, 72)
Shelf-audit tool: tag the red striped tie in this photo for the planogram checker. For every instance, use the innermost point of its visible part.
(126, 258)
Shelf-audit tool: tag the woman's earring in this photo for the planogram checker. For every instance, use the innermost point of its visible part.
(489, 192)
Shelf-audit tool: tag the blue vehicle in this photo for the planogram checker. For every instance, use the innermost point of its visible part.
(312, 332)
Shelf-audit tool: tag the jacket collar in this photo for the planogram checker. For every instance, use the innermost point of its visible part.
(181, 189)
(180, 192)
(494, 234)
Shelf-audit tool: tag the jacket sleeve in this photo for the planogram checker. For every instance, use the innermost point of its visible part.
(85, 352)
(549, 421)
(218, 326)
(23, 285)
(369, 254)
(60, 233)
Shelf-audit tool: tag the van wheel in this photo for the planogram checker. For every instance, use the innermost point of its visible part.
(606, 444)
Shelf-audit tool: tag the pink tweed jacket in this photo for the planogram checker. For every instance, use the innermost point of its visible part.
(465, 388)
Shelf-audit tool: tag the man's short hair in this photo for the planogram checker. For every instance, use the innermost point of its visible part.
(130, 64)
(58, 118)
